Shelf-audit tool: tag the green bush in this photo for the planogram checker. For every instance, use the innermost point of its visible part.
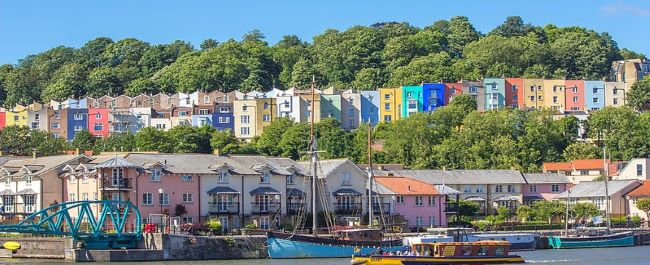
(213, 226)
(250, 226)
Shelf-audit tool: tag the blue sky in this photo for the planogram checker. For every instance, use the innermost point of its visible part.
(28, 26)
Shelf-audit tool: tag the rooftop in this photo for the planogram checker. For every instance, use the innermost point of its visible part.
(641, 191)
(542, 178)
(407, 186)
(597, 188)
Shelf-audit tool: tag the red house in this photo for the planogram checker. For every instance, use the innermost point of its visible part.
(514, 92)
(452, 90)
(3, 117)
(574, 95)
(98, 122)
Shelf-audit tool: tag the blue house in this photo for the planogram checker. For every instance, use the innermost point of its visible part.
(223, 117)
(370, 107)
(595, 94)
(77, 121)
(434, 96)
(495, 93)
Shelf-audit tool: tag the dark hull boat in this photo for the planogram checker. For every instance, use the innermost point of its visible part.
(291, 246)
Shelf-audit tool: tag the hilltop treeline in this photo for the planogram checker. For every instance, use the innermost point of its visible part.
(363, 57)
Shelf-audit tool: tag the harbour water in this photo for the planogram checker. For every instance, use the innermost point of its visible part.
(601, 256)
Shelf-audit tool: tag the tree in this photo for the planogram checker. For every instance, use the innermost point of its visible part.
(524, 213)
(295, 141)
(513, 27)
(121, 142)
(83, 140)
(639, 96)
(209, 44)
(268, 142)
(15, 140)
(152, 139)
(303, 73)
(503, 213)
(142, 86)
(461, 33)
(188, 139)
(431, 68)
(68, 82)
(464, 102)
(585, 210)
(468, 208)
(546, 210)
(581, 150)
(644, 205)
(224, 142)
(629, 55)
(180, 210)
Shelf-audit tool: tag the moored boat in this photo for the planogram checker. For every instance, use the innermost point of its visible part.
(518, 241)
(623, 239)
(484, 252)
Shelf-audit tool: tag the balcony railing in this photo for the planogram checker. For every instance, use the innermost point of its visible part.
(347, 208)
(118, 184)
(381, 208)
(18, 208)
(223, 207)
(265, 207)
(294, 207)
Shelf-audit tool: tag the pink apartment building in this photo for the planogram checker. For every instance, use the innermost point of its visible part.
(98, 122)
(418, 202)
(543, 186)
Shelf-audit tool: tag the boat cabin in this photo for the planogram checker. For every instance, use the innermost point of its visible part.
(460, 249)
(458, 234)
(367, 234)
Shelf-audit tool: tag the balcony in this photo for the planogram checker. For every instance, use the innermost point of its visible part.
(347, 208)
(118, 184)
(295, 207)
(223, 207)
(20, 208)
(265, 207)
(381, 208)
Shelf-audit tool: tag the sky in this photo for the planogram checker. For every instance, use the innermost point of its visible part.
(30, 26)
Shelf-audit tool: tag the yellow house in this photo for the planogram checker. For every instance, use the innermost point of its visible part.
(554, 94)
(17, 116)
(252, 115)
(533, 93)
(390, 104)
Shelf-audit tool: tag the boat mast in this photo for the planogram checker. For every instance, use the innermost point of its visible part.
(606, 170)
(314, 159)
(566, 215)
(370, 175)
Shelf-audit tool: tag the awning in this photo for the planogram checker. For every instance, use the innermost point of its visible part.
(26, 192)
(349, 192)
(506, 198)
(474, 199)
(7, 192)
(533, 198)
(295, 192)
(264, 191)
(223, 190)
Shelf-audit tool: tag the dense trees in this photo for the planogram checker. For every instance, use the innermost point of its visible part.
(364, 57)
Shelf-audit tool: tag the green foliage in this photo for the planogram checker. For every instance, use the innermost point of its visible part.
(224, 141)
(83, 140)
(16, 140)
(268, 143)
(465, 102)
(503, 213)
(581, 150)
(584, 210)
(524, 213)
(467, 208)
(547, 210)
(643, 204)
(213, 225)
(639, 96)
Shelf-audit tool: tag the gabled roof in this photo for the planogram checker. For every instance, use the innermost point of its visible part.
(257, 163)
(407, 186)
(459, 177)
(327, 167)
(117, 162)
(545, 178)
(189, 163)
(597, 188)
(641, 191)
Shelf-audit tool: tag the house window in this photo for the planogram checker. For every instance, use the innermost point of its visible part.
(206, 99)
(386, 106)
(163, 198)
(57, 115)
(98, 127)
(554, 99)
(186, 178)
(223, 177)
(575, 89)
(399, 199)
(615, 101)
(56, 126)
(78, 128)
(265, 222)
(532, 188)
(291, 179)
(188, 220)
(226, 99)
(639, 170)
(418, 221)
(595, 90)
(265, 177)
(244, 108)
(575, 99)
(431, 200)
(473, 89)
(386, 96)
(432, 220)
(555, 188)
(84, 196)
(224, 119)
(540, 98)
(160, 126)
(467, 188)
(35, 125)
(584, 172)
(95, 196)
(387, 118)
(418, 201)
(224, 109)
(203, 112)
(187, 197)
(245, 119)
(155, 175)
(266, 118)
(479, 189)
(347, 178)
(98, 116)
(78, 116)
(117, 176)
(532, 98)
(510, 188)
(244, 130)
(28, 179)
(266, 105)
(595, 100)
(540, 88)
(182, 113)
(498, 188)
(514, 88)
(71, 197)
(38, 116)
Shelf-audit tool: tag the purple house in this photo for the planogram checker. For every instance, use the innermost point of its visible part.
(418, 202)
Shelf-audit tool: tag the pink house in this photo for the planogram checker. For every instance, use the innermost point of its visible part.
(98, 122)
(543, 186)
(418, 202)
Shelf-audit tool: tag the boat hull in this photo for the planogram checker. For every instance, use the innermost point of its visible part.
(297, 247)
(518, 242)
(418, 260)
(618, 240)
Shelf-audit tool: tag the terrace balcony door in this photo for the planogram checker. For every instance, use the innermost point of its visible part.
(8, 201)
(263, 202)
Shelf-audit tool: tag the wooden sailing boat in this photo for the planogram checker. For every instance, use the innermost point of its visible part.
(593, 238)
(343, 243)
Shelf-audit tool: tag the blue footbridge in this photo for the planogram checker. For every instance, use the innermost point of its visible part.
(102, 224)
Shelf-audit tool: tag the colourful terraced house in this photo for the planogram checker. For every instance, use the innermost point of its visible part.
(554, 94)
(390, 104)
(370, 107)
(17, 116)
(514, 92)
(412, 100)
(433, 95)
(574, 95)
(495, 93)
(418, 202)
(594, 95)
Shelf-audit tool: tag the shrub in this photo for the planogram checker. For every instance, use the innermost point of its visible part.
(213, 226)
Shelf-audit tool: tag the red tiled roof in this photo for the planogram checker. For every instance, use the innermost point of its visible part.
(553, 166)
(582, 164)
(407, 186)
(641, 191)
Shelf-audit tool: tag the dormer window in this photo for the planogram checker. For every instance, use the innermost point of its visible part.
(265, 177)
(291, 179)
(28, 179)
(8, 181)
(224, 176)
(73, 179)
(346, 181)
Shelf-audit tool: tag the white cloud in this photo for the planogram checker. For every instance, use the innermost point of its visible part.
(623, 8)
